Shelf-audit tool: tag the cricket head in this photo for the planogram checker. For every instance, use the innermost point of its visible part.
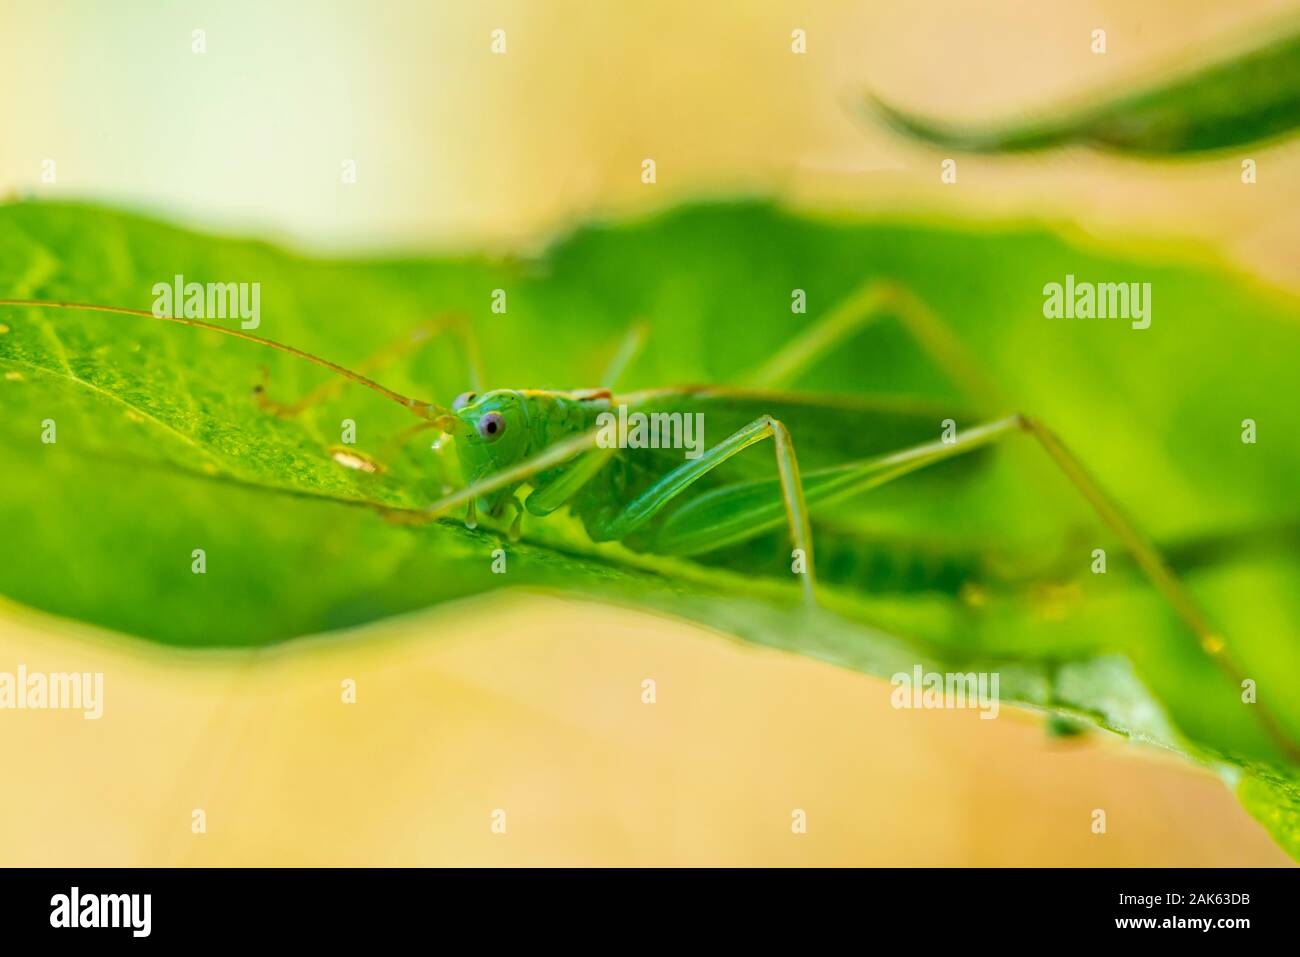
(491, 432)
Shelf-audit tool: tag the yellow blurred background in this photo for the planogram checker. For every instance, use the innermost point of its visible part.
(456, 146)
(533, 706)
(527, 703)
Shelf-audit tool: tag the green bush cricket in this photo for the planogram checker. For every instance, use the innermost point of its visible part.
(555, 444)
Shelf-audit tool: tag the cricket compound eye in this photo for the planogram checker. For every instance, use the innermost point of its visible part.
(491, 426)
(462, 400)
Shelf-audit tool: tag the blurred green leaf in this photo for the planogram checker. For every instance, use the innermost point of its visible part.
(1248, 97)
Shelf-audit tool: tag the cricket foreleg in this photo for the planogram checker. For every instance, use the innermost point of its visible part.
(516, 525)
(641, 509)
(421, 335)
(549, 458)
(545, 500)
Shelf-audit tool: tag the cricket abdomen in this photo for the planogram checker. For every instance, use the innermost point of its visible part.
(896, 566)
(852, 561)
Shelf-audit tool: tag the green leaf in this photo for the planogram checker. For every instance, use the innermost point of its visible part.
(980, 564)
(1250, 97)
(1274, 800)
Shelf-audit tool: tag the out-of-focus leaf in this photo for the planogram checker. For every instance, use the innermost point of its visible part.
(1248, 98)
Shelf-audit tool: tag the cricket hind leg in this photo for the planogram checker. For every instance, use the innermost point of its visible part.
(625, 353)
(732, 514)
(1153, 564)
(880, 298)
(736, 513)
(423, 334)
(644, 506)
(873, 301)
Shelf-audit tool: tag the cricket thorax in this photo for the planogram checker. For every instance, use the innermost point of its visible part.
(503, 427)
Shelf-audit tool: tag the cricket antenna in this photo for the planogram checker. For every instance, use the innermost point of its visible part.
(425, 410)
